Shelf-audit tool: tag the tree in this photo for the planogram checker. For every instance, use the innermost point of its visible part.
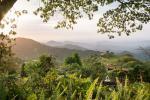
(6, 40)
(69, 60)
(74, 59)
(46, 63)
(93, 67)
(127, 17)
(23, 73)
(6, 54)
(5, 6)
(77, 58)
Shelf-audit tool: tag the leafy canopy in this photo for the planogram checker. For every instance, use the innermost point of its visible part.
(127, 17)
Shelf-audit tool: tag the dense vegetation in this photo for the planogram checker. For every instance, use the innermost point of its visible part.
(77, 79)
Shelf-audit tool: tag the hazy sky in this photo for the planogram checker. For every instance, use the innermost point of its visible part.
(31, 26)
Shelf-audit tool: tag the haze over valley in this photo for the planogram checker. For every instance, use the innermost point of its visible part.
(28, 48)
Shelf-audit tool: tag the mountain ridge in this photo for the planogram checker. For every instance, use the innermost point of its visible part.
(66, 44)
(30, 49)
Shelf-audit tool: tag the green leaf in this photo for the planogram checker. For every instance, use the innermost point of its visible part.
(89, 92)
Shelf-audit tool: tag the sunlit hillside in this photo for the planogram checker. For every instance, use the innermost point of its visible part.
(29, 49)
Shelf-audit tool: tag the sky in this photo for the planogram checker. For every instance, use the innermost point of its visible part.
(31, 26)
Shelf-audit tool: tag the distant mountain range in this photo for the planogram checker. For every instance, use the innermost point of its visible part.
(66, 44)
(115, 46)
(118, 47)
(29, 49)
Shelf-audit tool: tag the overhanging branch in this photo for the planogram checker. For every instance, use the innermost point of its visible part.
(5, 6)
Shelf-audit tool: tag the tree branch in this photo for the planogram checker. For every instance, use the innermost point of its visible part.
(5, 6)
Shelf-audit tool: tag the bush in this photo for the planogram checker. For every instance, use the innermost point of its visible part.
(74, 59)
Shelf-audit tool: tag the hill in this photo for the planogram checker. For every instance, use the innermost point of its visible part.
(30, 49)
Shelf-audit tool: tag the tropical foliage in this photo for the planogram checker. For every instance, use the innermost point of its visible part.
(45, 79)
(76, 78)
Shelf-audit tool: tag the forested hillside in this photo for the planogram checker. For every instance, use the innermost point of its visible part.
(29, 49)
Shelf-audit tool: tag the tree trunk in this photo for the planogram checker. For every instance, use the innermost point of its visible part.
(5, 6)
